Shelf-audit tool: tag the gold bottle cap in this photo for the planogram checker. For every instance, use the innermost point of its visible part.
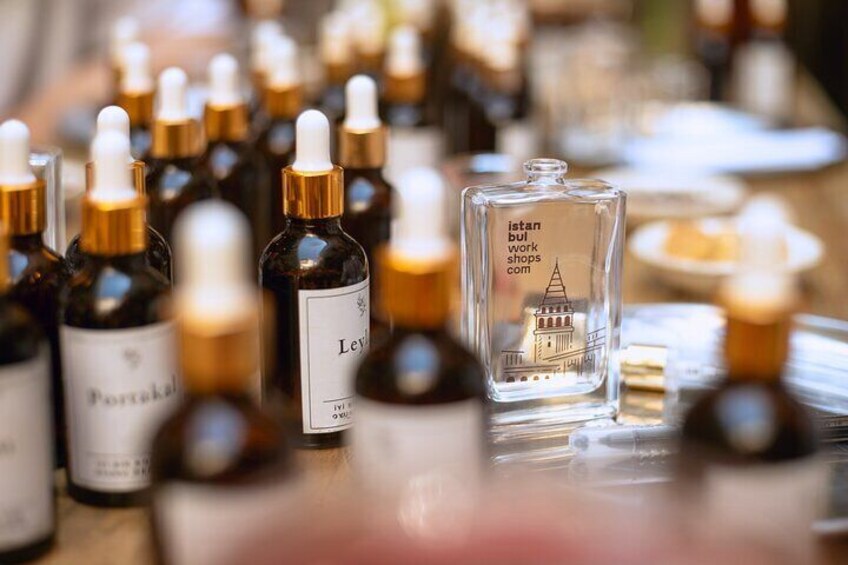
(136, 91)
(175, 134)
(225, 115)
(362, 137)
(217, 302)
(114, 214)
(312, 185)
(5, 281)
(22, 195)
(283, 94)
(416, 273)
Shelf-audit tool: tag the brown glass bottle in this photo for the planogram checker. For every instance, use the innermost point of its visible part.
(318, 277)
(218, 443)
(21, 345)
(158, 252)
(117, 341)
(37, 272)
(175, 175)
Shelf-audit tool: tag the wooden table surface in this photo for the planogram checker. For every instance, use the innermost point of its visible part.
(93, 536)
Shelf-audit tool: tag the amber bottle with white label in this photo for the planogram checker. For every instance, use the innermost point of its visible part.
(749, 448)
(27, 505)
(118, 342)
(419, 395)
(318, 278)
(221, 467)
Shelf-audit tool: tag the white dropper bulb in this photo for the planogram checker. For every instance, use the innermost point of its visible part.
(212, 245)
(404, 56)
(110, 153)
(14, 154)
(335, 38)
(263, 36)
(114, 118)
(418, 230)
(284, 70)
(172, 95)
(137, 77)
(361, 103)
(312, 136)
(124, 31)
(224, 87)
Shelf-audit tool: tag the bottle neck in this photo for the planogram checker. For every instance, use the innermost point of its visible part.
(332, 224)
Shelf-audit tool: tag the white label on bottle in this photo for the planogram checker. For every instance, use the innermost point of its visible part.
(119, 387)
(768, 504)
(394, 444)
(333, 339)
(26, 453)
(210, 525)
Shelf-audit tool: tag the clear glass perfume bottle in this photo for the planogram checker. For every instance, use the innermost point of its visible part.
(541, 279)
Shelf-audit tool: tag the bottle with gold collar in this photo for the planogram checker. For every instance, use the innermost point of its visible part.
(27, 499)
(175, 175)
(230, 156)
(37, 272)
(135, 96)
(202, 477)
(318, 277)
(282, 101)
(113, 118)
(118, 341)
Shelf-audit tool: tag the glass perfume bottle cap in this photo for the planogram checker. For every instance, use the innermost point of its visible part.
(404, 56)
(313, 143)
(14, 154)
(114, 118)
(224, 88)
(137, 77)
(172, 95)
(110, 153)
(545, 170)
(283, 67)
(361, 103)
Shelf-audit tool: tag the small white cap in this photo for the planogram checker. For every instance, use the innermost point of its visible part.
(335, 38)
(404, 58)
(110, 152)
(263, 35)
(283, 71)
(172, 95)
(212, 247)
(312, 143)
(361, 103)
(124, 31)
(418, 230)
(369, 26)
(137, 76)
(14, 154)
(224, 81)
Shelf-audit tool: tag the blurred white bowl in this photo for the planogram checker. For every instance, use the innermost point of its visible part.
(664, 194)
(648, 245)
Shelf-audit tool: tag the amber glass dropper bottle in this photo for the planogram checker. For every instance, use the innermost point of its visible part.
(135, 96)
(281, 104)
(245, 472)
(749, 448)
(118, 341)
(230, 156)
(318, 277)
(27, 499)
(175, 177)
(419, 395)
(113, 118)
(37, 272)
(362, 153)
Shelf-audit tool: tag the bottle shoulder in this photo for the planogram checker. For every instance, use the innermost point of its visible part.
(314, 254)
(216, 439)
(583, 191)
(420, 368)
(749, 422)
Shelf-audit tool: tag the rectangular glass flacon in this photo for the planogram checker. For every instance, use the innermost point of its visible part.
(542, 295)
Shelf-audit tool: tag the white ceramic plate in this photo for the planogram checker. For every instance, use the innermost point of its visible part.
(664, 194)
(647, 244)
